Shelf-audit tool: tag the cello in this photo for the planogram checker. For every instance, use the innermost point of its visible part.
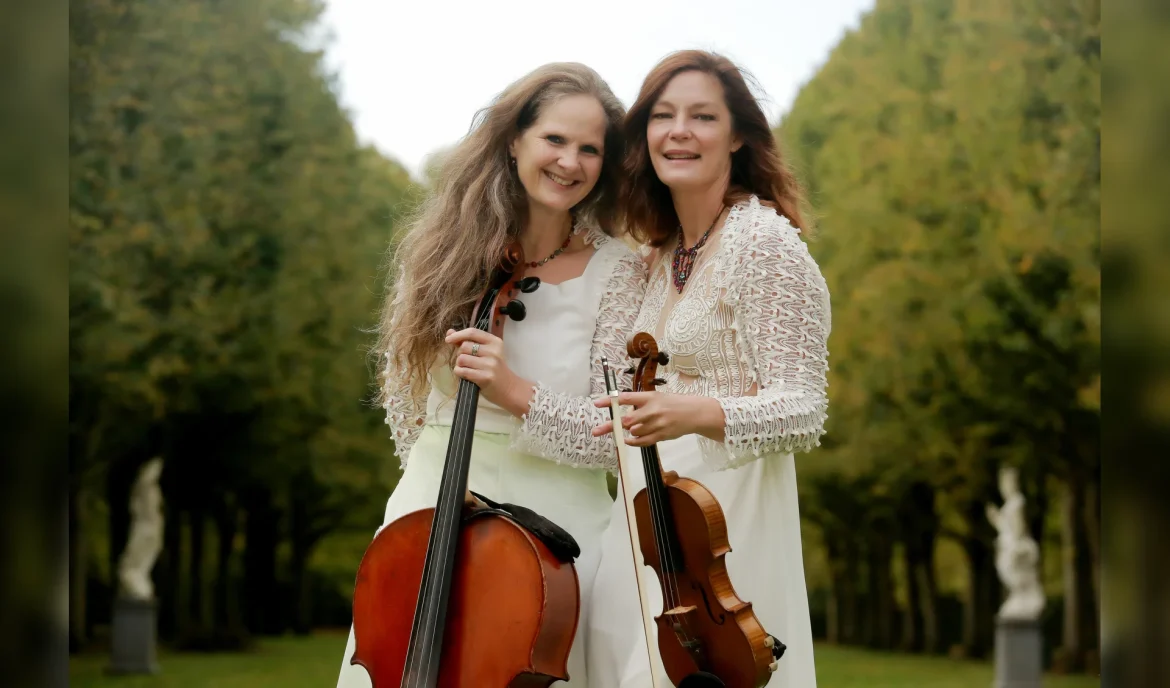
(463, 596)
(707, 636)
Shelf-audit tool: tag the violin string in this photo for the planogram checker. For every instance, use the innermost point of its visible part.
(662, 541)
(662, 528)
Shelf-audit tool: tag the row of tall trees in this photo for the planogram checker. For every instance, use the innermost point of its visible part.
(953, 153)
(226, 230)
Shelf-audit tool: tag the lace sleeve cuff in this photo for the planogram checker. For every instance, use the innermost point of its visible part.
(559, 427)
(405, 414)
(765, 424)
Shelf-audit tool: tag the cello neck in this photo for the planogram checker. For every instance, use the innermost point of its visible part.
(425, 651)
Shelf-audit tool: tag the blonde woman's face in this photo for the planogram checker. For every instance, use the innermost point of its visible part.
(558, 158)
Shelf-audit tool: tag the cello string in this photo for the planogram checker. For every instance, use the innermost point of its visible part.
(447, 503)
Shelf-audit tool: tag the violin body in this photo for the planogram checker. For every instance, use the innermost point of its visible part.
(705, 626)
(707, 636)
(509, 594)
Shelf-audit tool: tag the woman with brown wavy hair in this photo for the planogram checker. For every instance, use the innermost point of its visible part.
(540, 165)
(740, 306)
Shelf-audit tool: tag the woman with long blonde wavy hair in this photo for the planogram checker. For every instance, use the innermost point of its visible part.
(540, 166)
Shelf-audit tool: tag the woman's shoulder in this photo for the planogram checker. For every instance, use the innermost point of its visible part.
(616, 253)
(754, 220)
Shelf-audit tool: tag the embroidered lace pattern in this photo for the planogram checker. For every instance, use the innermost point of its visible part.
(559, 426)
(751, 330)
(406, 408)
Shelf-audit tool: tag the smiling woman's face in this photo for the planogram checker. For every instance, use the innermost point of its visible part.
(690, 134)
(558, 158)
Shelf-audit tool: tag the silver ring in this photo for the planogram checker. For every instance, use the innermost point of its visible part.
(475, 349)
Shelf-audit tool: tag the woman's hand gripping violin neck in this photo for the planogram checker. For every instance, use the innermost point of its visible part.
(660, 416)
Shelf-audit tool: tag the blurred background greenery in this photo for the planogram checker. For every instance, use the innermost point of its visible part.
(226, 230)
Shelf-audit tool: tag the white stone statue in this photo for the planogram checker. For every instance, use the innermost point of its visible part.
(146, 534)
(1017, 556)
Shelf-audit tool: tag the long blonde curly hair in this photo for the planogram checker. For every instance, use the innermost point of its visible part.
(457, 236)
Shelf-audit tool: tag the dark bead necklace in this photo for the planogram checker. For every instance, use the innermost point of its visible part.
(559, 251)
(684, 258)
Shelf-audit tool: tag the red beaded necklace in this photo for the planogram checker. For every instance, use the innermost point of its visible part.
(684, 258)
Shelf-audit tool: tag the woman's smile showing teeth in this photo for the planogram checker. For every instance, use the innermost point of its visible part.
(559, 180)
(680, 155)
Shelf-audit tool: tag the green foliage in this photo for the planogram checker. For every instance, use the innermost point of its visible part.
(952, 153)
(226, 235)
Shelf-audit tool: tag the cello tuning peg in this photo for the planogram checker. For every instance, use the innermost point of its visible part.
(657, 381)
(528, 285)
(514, 310)
(631, 370)
(663, 358)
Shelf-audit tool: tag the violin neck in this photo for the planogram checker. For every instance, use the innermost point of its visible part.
(665, 533)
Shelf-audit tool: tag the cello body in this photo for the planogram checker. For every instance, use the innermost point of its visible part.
(462, 596)
(507, 579)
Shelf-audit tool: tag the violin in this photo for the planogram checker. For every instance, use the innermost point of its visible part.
(462, 596)
(707, 635)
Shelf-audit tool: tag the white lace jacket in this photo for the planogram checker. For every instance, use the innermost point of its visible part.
(557, 425)
(751, 329)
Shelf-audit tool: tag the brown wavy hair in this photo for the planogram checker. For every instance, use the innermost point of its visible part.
(756, 168)
(457, 236)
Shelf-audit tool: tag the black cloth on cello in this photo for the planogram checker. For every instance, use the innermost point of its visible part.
(557, 539)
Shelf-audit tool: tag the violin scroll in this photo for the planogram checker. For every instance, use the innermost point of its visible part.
(642, 346)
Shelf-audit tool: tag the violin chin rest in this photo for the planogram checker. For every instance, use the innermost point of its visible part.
(701, 679)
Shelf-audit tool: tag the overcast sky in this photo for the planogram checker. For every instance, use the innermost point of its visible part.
(414, 73)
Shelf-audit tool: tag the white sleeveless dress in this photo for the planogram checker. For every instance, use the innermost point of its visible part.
(547, 461)
(750, 329)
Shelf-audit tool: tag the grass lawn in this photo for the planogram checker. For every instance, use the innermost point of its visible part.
(313, 663)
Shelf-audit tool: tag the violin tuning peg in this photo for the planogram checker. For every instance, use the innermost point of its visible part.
(528, 285)
(773, 666)
(514, 310)
(663, 358)
(631, 370)
(657, 381)
(769, 642)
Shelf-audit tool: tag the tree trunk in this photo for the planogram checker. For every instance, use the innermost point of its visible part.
(262, 535)
(196, 580)
(169, 573)
(1093, 536)
(928, 589)
(834, 608)
(882, 591)
(119, 480)
(850, 626)
(302, 544)
(78, 569)
(225, 617)
(982, 598)
(1079, 619)
(912, 615)
(919, 523)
